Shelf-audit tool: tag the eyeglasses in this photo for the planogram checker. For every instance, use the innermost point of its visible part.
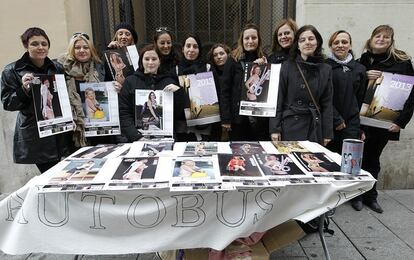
(80, 34)
(162, 29)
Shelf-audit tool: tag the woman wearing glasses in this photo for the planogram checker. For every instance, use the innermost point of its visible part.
(82, 64)
(16, 95)
(169, 56)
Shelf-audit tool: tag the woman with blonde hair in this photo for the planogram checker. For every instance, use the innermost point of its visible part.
(241, 128)
(82, 65)
(380, 56)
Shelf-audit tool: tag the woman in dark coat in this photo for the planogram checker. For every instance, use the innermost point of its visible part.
(16, 95)
(146, 77)
(164, 43)
(241, 128)
(298, 117)
(282, 40)
(382, 56)
(349, 81)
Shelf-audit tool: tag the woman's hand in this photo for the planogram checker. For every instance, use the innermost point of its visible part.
(117, 86)
(114, 45)
(340, 127)
(326, 142)
(276, 137)
(373, 74)
(171, 88)
(261, 60)
(226, 127)
(394, 128)
(26, 79)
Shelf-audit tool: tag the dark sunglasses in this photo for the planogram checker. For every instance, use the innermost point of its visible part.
(80, 34)
(162, 29)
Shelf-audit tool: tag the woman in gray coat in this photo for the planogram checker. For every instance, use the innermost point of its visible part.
(304, 106)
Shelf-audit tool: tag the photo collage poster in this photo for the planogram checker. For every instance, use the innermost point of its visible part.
(120, 63)
(100, 105)
(153, 112)
(317, 162)
(385, 98)
(260, 89)
(51, 104)
(202, 107)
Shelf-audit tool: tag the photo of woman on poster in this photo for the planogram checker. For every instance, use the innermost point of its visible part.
(46, 101)
(253, 83)
(92, 105)
(149, 112)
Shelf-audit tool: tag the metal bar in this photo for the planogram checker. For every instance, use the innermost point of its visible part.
(192, 19)
(209, 22)
(224, 22)
(321, 226)
(175, 20)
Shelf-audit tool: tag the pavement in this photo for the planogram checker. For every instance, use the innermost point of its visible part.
(358, 235)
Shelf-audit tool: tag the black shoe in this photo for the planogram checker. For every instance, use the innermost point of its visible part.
(374, 206)
(357, 205)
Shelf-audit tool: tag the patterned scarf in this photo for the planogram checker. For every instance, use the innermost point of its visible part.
(77, 70)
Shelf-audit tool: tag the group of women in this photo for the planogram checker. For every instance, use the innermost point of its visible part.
(319, 97)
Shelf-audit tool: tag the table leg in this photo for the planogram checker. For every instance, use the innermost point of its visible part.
(321, 226)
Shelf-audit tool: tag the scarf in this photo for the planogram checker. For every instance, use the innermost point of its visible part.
(74, 69)
(348, 58)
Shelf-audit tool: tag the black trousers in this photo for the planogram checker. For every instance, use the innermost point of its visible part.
(250, 129)
(46, 166)
(374, 145)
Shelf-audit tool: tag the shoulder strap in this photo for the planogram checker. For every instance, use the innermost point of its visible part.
(307, 86)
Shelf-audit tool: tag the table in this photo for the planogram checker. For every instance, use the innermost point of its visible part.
(142, 221)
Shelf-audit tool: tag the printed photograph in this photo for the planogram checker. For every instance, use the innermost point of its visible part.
(153, 149)
(46, 98)
(149, 110)
(200, 148)
(385, 98)
(317, 162)
(95, 102)
(202, 107)
(289, 147)
(238, 165)
(119, 64)
(192, 168)
(246, 148)
(98, 151)
(79, 171)
(257, 82)
(277, 164)
(136, 169)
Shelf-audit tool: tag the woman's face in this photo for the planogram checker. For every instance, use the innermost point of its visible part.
(285, 36)
(257, 70)
(250, 40)
(90, 95)
(380, 42)
(124, 37)
(82, 51)
(307, 44)
(219, 56)
(341, 46)
(190, 49)
(164, 44)
(38, 47)
(152, 96)
(150, 62)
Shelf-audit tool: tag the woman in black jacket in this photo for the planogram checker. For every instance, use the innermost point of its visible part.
(304, 106)
(169, 56)
(282, 40)
(146, 77)
(382, 56)
(191, 63)
(241, 128)
(349, 81)
(16, 95)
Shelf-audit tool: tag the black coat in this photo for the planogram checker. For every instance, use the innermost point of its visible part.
(348, 93)
(384, 63)
(126, 97)
(279, 56)
(28, 147)
(296, 116)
